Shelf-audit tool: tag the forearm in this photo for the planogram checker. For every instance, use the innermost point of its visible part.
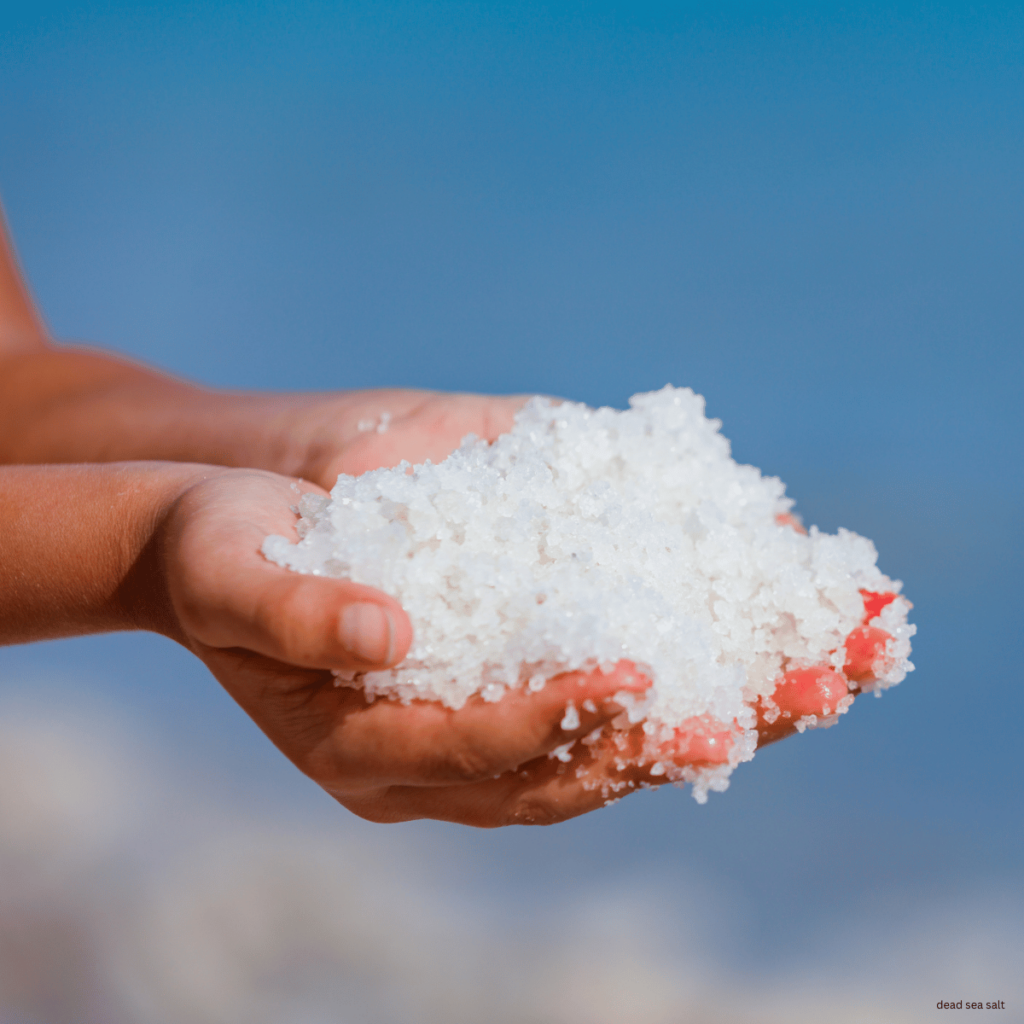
(77, 551)
(66, 404)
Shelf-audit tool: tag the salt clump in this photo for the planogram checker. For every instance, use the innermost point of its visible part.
(587, 536)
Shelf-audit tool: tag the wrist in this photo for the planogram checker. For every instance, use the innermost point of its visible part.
(71, 405)
(79, 547)
(142, 600)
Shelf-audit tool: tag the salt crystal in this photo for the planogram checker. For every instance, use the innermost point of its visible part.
(572, 718)
(562, 753)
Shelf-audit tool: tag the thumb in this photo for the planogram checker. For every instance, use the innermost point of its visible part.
(307, 621)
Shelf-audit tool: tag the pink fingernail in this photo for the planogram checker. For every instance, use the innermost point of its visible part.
(367, 632)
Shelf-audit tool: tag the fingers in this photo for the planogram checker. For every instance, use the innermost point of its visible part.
(619, 761)
(543, 792)
(811, 694)
(607, 763)
(865, 653)
(818, 691)
(352, 747)
(426, 744)
(307, 621)
(866, 645)
(603, 765)
(548, 790)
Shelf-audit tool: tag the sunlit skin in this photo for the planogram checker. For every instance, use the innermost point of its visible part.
(171, 544)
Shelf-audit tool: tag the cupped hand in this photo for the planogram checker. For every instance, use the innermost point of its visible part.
(272, 637)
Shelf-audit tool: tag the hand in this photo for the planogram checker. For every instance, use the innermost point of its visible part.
(272, 636)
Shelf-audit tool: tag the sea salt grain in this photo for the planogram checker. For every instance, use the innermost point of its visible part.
(587, 536)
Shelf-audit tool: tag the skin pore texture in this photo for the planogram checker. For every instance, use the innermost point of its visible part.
(133, 500)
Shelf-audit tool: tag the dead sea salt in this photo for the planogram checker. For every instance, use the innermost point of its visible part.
(587, 536)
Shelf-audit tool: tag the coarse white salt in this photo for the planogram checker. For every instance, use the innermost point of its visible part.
(587, 536)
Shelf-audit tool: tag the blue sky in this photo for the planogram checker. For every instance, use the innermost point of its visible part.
(813, 216)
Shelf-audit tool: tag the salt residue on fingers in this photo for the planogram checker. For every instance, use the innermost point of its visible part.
(585, 537)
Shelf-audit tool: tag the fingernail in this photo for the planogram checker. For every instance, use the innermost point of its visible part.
(367, 632)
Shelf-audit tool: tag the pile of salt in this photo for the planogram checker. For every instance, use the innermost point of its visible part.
(588, 536)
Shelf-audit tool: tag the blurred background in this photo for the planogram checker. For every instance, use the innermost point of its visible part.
(812, 215)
